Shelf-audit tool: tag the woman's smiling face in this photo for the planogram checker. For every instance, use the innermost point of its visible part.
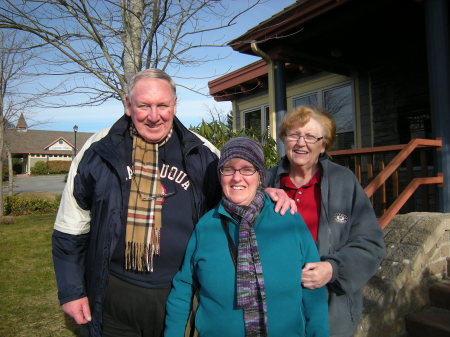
(238, 188)
(303, 154)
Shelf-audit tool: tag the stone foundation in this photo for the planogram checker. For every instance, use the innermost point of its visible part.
(418, 245)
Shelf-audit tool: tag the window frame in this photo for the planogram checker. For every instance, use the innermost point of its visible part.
(320, 94)
(264, 115)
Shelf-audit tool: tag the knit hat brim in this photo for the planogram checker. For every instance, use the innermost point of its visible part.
(245, 148)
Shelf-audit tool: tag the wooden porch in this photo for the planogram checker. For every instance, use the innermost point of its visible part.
(397, 178)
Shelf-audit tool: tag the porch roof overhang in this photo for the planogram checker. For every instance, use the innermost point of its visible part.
(337, 36)
(228, 86)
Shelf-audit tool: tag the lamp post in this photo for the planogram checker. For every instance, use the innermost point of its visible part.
(75, 129)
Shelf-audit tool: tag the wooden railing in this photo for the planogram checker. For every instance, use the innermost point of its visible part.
(386, 170)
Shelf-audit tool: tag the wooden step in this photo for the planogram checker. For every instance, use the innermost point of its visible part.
(440, 295)
(430, 322)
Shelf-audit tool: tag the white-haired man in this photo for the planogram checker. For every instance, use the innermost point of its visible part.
(125, 219)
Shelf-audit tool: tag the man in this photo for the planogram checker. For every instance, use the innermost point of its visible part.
(137, 194)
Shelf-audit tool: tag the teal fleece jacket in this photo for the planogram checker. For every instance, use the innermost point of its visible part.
(285, 245)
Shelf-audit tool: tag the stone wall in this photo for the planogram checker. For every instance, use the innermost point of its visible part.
(418, 245)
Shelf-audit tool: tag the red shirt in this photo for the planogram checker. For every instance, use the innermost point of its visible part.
(307, 198)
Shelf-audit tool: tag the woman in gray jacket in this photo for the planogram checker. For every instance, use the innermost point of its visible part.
(337, 212)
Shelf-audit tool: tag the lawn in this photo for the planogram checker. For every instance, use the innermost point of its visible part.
(28, 296)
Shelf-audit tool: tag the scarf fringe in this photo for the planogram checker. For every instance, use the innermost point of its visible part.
(140, 257)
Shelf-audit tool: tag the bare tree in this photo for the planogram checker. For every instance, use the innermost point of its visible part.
(16, 61)
(111, 40)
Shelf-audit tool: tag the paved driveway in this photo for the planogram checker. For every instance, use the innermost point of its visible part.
(51, 183)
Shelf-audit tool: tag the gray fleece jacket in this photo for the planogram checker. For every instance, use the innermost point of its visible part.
(349, 238)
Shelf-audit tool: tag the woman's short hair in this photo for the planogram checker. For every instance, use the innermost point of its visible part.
(302, 114)
(151, 73)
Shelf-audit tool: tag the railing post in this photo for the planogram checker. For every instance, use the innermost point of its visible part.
(383, 185)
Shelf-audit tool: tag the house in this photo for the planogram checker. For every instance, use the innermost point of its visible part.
(42, 145)
(380, 67)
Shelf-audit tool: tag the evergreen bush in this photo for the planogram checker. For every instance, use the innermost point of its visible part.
(218, 133)
(58, 166)
(39, 168)
(17, 205)
(16, 166)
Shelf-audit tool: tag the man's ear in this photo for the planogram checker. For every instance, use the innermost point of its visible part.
(127, 106)
(175, 107)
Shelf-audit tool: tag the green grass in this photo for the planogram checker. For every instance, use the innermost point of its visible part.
(28, 297)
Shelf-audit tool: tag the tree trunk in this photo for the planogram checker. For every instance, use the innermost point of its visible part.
(2, 133)
(131, 39)
(10, 174)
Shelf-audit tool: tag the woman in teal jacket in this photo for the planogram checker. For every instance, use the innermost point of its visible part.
(246, 260)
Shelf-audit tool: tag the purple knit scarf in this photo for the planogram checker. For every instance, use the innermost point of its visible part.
(250, 294)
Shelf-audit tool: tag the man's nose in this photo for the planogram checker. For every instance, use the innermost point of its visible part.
(153, 113)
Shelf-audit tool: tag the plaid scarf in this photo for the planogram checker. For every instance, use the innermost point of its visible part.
(142, 236)
(250, 294)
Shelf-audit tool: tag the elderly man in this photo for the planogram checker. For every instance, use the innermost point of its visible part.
(120, 237)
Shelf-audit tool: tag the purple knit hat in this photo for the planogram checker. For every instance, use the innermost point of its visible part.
(245, 148)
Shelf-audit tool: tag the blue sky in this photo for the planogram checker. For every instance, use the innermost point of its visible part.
(192, 108)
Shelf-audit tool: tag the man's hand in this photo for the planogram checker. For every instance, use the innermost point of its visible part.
(281, 200)
(316, 275)
(79, 310)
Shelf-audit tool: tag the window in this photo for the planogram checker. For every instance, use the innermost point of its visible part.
(257, 119)
(338, 101)
(306, 100)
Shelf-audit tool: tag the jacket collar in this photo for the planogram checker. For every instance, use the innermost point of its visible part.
(284, 167)
(188, 140)
(115, 146)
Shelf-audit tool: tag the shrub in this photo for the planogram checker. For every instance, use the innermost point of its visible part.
(16, 166)
(218, 133)
(16, 205)
(58, 166)
(39, 168)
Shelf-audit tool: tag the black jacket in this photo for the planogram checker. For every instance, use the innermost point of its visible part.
(102, 186)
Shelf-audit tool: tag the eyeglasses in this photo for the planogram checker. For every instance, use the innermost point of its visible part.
(149, 196)
(245, 171)
(310, 139)
(157, 197)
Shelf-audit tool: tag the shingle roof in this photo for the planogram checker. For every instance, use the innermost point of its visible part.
(38, 141)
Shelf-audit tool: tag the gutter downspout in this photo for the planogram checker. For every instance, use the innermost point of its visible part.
(276, 93)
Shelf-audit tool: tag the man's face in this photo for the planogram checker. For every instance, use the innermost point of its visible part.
(152, 106)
